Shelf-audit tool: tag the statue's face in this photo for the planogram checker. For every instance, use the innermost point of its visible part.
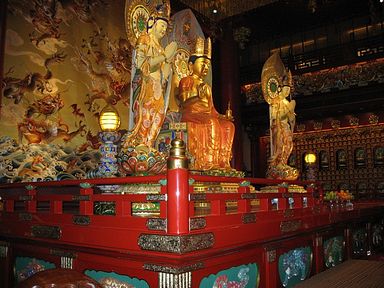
(201, 66)
(159, 28)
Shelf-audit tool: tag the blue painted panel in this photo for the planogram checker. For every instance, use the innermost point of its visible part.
(244, 276)
(25, 267)
(112, 279)
(333, 251)
(294, 266)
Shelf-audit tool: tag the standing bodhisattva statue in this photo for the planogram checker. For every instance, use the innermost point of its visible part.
(152, 71)
(276, 84)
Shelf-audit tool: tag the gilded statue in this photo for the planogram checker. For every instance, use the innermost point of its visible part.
(276, 84)
(151, 80)
(210, 134)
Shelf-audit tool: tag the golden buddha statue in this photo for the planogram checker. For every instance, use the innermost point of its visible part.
(152, 75)
(210, 134)
(276, 86)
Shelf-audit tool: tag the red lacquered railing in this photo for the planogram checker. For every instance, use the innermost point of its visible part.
(181, 210)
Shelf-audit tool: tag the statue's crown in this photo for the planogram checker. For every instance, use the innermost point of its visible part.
(162, 11)
(202, 49)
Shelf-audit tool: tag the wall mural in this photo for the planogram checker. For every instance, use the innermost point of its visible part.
(64, 61)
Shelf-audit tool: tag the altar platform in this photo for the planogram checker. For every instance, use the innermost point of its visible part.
(180, 229)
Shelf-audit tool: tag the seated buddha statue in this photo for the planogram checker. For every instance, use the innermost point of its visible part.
(210, 134)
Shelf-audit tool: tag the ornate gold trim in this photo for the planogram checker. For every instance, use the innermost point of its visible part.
(271, 256)
(249, 196)
(141, 188)
(176, 244)
(197, 223)
(81, 220)
(290, 226)
(157, 224)
(248, 218)
(156, 197)
(173, 270)
(45, 231)
(62, 253)
(81, 198)
(197, 197)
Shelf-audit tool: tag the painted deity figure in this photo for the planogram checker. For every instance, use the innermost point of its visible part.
(152, 72)
(210, 134)
(276, 86)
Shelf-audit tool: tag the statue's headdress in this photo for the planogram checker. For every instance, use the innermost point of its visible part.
(202, 49)
(276, 81)
(162, 12)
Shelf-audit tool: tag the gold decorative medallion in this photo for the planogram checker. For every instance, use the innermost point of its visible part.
(137, 13)
(272, 88)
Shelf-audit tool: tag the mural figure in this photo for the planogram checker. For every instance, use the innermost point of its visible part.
(276, 87)
(16, 89)
(46, 131)
(210, 134)
(151, 80)
(107, 62)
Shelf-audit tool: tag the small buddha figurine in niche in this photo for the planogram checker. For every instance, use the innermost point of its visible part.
(210, 134)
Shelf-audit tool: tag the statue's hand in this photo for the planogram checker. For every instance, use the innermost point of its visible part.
(170, 50)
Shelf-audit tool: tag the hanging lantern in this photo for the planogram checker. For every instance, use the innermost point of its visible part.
(310, 158)
(109, 119)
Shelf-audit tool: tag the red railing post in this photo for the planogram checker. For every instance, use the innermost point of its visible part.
(31, 202)
(177, 189)
(86, 206)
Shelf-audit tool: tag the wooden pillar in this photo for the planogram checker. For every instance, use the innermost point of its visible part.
(258, 151)
(6, 263)
(271, 269)
(227, 85)
(318, 253)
